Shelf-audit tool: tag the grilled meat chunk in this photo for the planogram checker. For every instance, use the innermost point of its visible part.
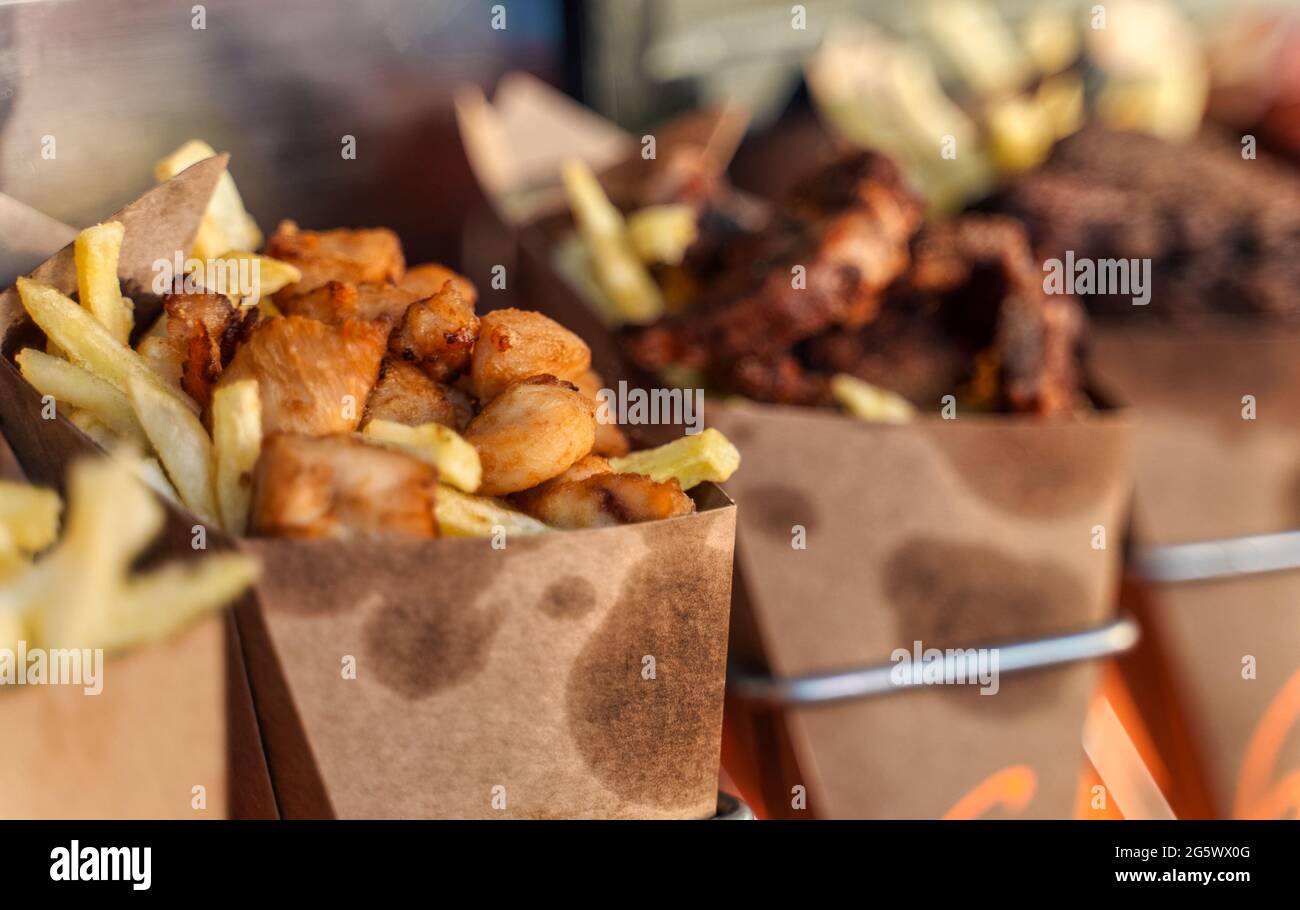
(516, 344)
(591, 495)
(340, 487)
(437, 333)
(367, 255)
(404, 394)
(313, 378)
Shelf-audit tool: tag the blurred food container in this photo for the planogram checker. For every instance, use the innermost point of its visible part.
(981, 531)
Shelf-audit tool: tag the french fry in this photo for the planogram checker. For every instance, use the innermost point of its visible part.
(464, 515)
(152, 474)
(181, 443)
(82, 592)
(692, 460)
(662, 233)
(93, 427)
(96, 253)
(154, 605)
(613, 261)
(70, 384)
(226, 224)
(237, 443)
(29, 517)
(456, 460)
(87, 343)
(265, 276)
(868, 402)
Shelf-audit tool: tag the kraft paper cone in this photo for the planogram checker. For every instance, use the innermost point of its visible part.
(977, 531)
(1205, 473)
(173, 715)
(580, 672)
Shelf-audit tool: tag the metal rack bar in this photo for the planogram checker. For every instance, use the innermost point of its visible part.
(1225, 558)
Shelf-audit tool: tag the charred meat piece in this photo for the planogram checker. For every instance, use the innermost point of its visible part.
(590, 495)
(427, 279)
(404, 394)
(336, 301)
(516, 344)
(1222, 233)
(203, 329)
(437, 333)
(824, 263)
(313, 378)
(340, 487)
(610, 439)
(364, 256)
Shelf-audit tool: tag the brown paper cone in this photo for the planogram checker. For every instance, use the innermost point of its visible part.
(977, 531)
(172, 716)
(1205, 473)
(571, 674)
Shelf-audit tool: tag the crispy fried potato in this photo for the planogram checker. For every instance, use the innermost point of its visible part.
(372, 255)
(82, 593)
(262, 276)
(87, 343)
(614, 263)
(438, 333)
(340, 487)
(313, 378)
(456, 460)
(96, 252)
(93, 427)
(165, 357)
(427, 279)
(180, 441)
(404, 394)
(516, 344)
(236, 443)
(611, 441)
(82, 389)
(603, 498)
(869, 402)
(29, 517)
(462, 515)
(531, 432)
(226, 224)
(690, 460)
(662, 233)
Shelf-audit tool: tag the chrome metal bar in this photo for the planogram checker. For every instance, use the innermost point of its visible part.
(828, 688)
(1226, 558)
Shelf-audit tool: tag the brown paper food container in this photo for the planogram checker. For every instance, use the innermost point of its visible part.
(1204, 473)
(172, 716)
(569, 674)
(977, 531)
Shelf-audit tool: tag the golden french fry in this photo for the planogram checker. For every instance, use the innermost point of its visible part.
(464, 515)
(82, 593)
(70, 384)
(154, 605)
(29, 517)
(613, 261)
(237, 443)
(868, 402)
(13, 629)
(456, 460)
(153, 476)
(662, 233)
(96, 253)
(692, 460)
(93, 427)
(87, 343)
(226, 224)
(181, 443)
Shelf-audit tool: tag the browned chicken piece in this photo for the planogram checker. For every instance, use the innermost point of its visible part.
(531, 432)
(602, 498)
(203, 329)
(404, 394)
(516, 344)
(366, 255)
(427, 279)
(610, 438)
(437, 333)
(340, 487)
(335, 301)
(313, 378)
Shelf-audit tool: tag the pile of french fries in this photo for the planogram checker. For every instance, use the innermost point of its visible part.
(80, 591)
(206, 457)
